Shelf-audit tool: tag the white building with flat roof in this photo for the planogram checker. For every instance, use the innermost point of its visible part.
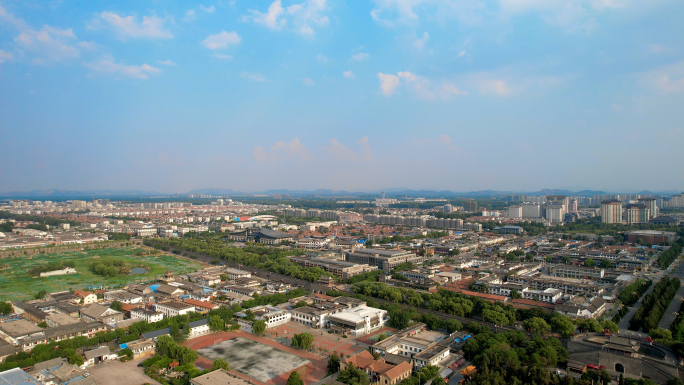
(358, 321)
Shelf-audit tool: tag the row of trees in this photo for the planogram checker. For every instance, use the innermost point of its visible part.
(257, 256)
(668, 256)
(654, 305)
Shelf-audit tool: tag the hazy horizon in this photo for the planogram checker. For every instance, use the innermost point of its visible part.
(513, 95)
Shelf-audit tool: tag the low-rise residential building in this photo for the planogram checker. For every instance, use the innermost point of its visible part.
(60, 319)
(378, 371)
(100, 313)
(147, 315)
(122, 296)
(271, 315)
(172, 309)
(86, 297)
(338, 268)
(233, 274)
(141, 348)
(578, 272)
(201, 306)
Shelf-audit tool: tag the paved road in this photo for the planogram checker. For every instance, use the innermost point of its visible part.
(624, 322)
(669, 316)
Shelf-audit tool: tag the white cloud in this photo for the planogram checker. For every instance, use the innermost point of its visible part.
(420, 43)
(302, 16)
(223, 56)
(510, 81)
(392, 12)
(388, 83)
(280, 151)
(494, 86)
(322, 58)
(463, 53)
(109, 67)
(667, 79)
(271, 18)
(49, 44)
(166, 63)
(5, 56)
(253, 76)
(209, 9)
(421, 86)
(308, 81)
(46, 45)
(349, 75)
(151, 27)
(344, 154)
(221, 40)
(189, 15)
(361, 56)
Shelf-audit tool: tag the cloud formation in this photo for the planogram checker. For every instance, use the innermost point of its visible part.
(221, 40)
(150, 27)
(419, 85)
(253, 76)
(302, 16)
(342, 153)
(349, 75)
(109, 67)
(280, 151)
(667, 79)
(361, 56)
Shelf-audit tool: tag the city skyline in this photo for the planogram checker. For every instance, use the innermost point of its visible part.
(514, 95)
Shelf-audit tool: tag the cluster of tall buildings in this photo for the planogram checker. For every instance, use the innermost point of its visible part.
(640, 211)
(554, 209)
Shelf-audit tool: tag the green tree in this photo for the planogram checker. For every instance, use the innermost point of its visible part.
(294, 379)
(562, 325)
(6, 308)
(116, 305)
(537, 326)
(220, 363)
(353, 376)
(589, 262)
(176, 333)
(606, 264)
(515, 294)
(216, 323)
(259, 327)
(303, 340)
(334, 363)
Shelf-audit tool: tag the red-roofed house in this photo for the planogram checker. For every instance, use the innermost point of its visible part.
(378, 370)
(86, 297)
(201, 306)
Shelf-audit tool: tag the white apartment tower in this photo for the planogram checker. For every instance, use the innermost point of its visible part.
(611, 211)
(515, 212)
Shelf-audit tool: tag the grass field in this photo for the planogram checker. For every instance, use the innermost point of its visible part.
(16, 284)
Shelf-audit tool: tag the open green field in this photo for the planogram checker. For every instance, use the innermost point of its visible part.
(16, 284)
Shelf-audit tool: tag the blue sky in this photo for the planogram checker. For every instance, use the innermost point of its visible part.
(357, 95)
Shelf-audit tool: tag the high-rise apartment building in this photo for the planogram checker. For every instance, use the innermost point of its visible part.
(611, 211)
(651, 203)
(637, 213)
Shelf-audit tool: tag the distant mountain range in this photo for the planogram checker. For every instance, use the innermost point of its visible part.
(77, 193)
(390, 192)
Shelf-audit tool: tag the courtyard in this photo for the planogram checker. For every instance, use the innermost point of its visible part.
(253, 359)
(260, 359)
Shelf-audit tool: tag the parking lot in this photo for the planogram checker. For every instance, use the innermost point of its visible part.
(117, 372)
